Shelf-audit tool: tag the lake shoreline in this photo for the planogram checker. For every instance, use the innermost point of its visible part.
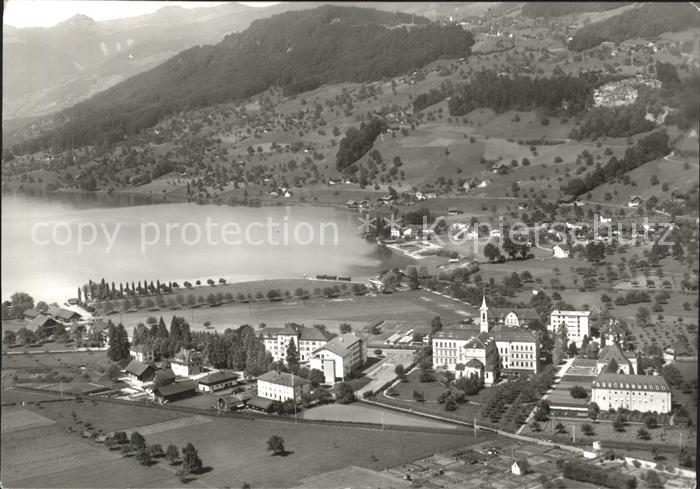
(133, 241)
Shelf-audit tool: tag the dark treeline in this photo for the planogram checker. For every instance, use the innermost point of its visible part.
(434, 96)
(558, 94)
(103, 290)
(613, 122)
(163, 342)
(650, 147)
(559, 9)
(297, 51)
(357, 142)
(237, 349)
(647, 21)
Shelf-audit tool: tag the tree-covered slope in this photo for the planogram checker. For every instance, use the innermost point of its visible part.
(649, 20)
(295, 50)
(559, 9)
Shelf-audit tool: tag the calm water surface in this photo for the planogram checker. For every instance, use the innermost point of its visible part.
(117, 252)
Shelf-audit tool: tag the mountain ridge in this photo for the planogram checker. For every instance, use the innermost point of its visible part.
(297, 50)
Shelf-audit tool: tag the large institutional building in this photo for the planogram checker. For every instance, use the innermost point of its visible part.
(307, 340)
(644, 393)
(499, 345)
(576, 323)
(340, 356)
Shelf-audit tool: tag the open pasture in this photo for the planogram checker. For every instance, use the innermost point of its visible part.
(358, 311)
(236, 449)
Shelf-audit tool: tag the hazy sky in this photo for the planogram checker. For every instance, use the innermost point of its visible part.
(45, 13)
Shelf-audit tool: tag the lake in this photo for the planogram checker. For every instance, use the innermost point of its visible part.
(50, 246)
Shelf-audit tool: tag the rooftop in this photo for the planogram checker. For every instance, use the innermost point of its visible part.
(283, 378)
(60, 313)
(507, 333)
(571, 313)
(614, 351)
(479, 341)
(456, 333)
(137, 368)
(525, 313)
(218, 377)
(340, 344)
(631, 382)
(175, 388)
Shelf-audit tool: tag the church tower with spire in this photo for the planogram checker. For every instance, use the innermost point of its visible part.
(484, 321)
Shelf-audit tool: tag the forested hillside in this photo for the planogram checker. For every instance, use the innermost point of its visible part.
(298, 51)
(649, 20)
(560, 93)
(559, 9)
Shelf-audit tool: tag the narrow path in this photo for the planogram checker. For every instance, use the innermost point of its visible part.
(557, 378)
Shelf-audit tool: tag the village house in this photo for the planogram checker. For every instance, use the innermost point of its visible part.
(139, 372)
(99, 329)
(63, 316)
(560, 251)
(30, 314)
(281, 386)
(644, 393)
(576, 324)
(669, 355)
(186, 363)
(634, 201)
(519, 467)
(216, 381)
(142, 353)
(174, 392)
(340, 356)
(46, 323)
(232, 402)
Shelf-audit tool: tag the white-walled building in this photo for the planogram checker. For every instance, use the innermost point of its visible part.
(307, 340)
(466, 352)
(280, 386)
(576, 323)
(216, 381)
(518, 350)
(644, 393)
(337, 358)
(142, 353)
(186, 363)
(498, 349)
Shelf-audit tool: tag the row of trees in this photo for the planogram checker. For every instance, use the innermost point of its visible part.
(189, 461)
(156, 335)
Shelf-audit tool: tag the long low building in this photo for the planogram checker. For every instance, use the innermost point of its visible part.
(216, 381)
(644, 393)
